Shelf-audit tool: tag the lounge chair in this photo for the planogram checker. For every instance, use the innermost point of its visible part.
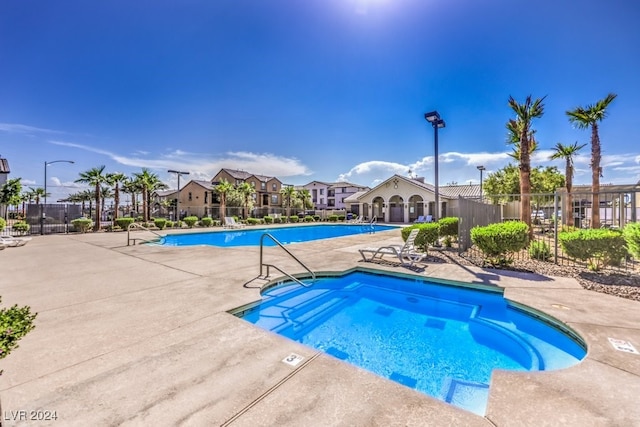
(14, 242)
(407, 251)
(428, 218)
(420, 220)
(230, 222)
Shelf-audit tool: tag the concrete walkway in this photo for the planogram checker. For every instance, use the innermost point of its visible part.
(140, 335)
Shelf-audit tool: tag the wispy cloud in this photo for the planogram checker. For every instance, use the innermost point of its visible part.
(26, 129)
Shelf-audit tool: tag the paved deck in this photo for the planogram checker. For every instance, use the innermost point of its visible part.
(140, 335)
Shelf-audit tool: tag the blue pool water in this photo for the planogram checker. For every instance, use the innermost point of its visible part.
(441, 340)
(285, 235)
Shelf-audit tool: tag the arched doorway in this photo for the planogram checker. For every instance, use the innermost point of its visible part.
(396, 209)
(377, 208)
(416, 207)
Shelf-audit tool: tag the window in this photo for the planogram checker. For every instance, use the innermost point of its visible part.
(322, 191)
(331, 193)
(263, 185)
(206, 195)
(275, 187)
(189, 195)
(343, 189)
(274, 199)
(331, 203)
(253, 184)
(321, 201)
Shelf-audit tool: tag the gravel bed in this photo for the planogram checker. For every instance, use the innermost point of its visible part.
(624, 284)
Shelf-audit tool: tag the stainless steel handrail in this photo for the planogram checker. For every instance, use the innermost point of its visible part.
(136, 225)
(313, 275)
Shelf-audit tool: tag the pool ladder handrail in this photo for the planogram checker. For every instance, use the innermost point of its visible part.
(295, 279)
(135, 239)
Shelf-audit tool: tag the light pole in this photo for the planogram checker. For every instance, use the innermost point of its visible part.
(481, 168)
(179, 173)
(45, 174)
(433, 117)
(42, 213)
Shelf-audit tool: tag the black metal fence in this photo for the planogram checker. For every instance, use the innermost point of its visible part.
(51, 218)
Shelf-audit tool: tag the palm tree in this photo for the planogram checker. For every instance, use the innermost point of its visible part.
(288, 195)
(148, 182)
(567, 152)
(525, 113)
(305, 197)
(584, 118)
(115, 179)
(223, 189)
(10, 194)
(96, 178)
(131, 187)
(246, 191)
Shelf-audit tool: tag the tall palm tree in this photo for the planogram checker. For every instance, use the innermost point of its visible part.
(567, 152)
(115, 179)
(10, 194)
(288, 195)
(246, 191)
(130, 186)
(584, 118)
(148, 182)
(525, 113)
(223, 188)
(305, 197)
(95, 177)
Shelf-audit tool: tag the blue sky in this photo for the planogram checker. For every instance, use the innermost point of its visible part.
(308, 89)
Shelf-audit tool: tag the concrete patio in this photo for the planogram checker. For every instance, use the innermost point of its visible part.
(140, 335)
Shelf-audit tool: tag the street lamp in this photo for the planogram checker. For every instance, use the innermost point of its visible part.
(179, 173)
(45, 174)
(434, 118)
(481, 168)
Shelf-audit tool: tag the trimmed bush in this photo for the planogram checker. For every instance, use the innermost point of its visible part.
(20, 226)
(206, 222)
(277, 220)
(169, 224)
(82, 224)
(631, 235)
(308, 218)
(15, 323)
(500, 241)
(448, 226)
(190, 221)
(268, 219)
(342, 217)
(139, 218)
(598, 247)
(294, 218)
(428, 234)
(333, 218)
(316, 218)
(3, 224)
(253, 221)
(124, 222)
(539, 250)
(161, 223)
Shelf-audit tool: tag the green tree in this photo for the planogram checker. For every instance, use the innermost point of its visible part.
(245, 190)
(567, 152)
(95, 177)
(130, 186)
(115, 179)
(223, 188)
(304, 195)
(589, 117)
(289, 194)
(506, 182)
(10, 194)
(525, 113)
(148, 182)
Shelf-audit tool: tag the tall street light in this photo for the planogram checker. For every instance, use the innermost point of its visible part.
(434, 118)
(179, 173)
(45, 174)
(481, 168)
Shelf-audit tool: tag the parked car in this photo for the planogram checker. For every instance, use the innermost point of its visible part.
(537, 215)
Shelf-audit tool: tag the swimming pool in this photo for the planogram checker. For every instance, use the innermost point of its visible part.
(285, 235)
(439, 339)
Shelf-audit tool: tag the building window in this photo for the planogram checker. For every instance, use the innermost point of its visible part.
(321, 201)
(274, 199)
(206, 195)
(275, 187)
(263, 185)
(331, 203)
(322, 192)
(253, 184)
(189, 195)
(331, 193)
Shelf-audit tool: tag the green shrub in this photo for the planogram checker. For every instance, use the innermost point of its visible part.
(3, 224)
(253, 221)
(448, 226)
(169, 224)
(498, 242)
(15, 323)
(190, 221)
(277, 220)
(139, 218)
(428, 234)
(316, 218)
(82, 224)
(206, 222)
(268, 219)
(20, 226)
(308, 218)
(447, 241)
(539, 250)
(124, 222)
(294, 218)
(161, 223)
(598, 247)
(631, 235)
(342, 217)
(333, 218)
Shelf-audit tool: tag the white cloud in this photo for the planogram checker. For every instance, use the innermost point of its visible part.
(25, 129)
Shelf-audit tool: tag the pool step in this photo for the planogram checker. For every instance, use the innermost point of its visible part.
(468, 395)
